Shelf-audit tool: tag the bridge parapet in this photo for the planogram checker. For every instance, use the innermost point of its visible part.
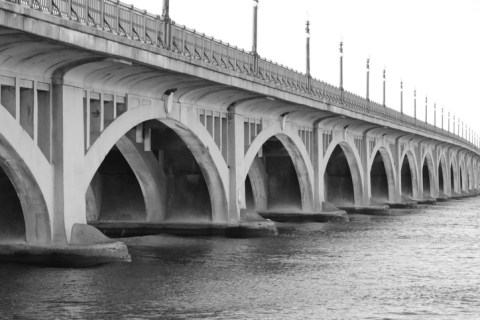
(126, 20)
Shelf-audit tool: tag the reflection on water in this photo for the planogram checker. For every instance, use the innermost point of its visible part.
(417, 264)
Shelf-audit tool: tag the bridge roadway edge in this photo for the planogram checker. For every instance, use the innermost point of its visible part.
(100, 42)
(97, 41)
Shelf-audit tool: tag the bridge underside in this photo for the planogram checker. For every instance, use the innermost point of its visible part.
(107, 130)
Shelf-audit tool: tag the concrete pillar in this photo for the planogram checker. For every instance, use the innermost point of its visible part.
(318, 180)
(364, 163)
(68, 155)
(236, 156)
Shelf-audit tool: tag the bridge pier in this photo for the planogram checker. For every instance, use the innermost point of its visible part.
(98, 129)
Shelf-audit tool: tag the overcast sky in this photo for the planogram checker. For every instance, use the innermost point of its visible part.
(432, 45)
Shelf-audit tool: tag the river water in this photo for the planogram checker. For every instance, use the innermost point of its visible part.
(418, 264)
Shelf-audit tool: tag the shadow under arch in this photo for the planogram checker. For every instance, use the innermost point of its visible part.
(454, 175)
(196, 138)
(257, 176)
(298, 155)
(150, 177)
(354, 165)
(411, 170)
(428, 175)
(389, 169)
(34, 208)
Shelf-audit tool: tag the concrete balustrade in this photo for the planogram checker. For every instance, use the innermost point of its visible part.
(120, 132)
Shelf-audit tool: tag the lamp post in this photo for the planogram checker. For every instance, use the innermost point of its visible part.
(254, 38)
(415, 104)
(442, 118)
(307, 34)
(448, 121)
(401, 97)
(255, 15)
(384, 80)
(341, 65)
(167, 26)
(435, 114)
(368, 79)
(166, 10)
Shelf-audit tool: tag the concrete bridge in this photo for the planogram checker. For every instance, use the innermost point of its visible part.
(111, 115)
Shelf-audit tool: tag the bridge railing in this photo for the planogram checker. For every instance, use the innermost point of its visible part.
(126, 20)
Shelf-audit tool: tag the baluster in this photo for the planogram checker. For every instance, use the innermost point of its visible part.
(203, 51)
(131, 22)
(211, 51)
(157, 27)
(102, 14)
(117, 9)
(87, 11)
(145, 25)
(183, 40)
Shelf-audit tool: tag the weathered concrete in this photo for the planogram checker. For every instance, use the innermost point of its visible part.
(70, 256)
(236, 230)
(88, 247)
(176, 136)
(288, 216)
(379, 210)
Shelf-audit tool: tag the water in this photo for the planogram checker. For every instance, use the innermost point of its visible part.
(420, 264)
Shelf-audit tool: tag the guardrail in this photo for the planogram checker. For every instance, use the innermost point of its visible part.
(126, 20)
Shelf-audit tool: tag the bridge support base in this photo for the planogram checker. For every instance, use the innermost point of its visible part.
(242, 229)
(88, 248)
(289, 216)
(427, 201)
(403, 205)
(377, 210)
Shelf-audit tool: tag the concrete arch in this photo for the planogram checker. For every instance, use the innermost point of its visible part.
(34, 207)
(389, 168)
(257, 176)
(29, 171)
(474, 175)
(354, 163)
(412, 163)
(150, 177)
(195, 136)
(469, 174)
(463, 175)
(453, 166)
(298, 153)
(442, 163)
(432, 174)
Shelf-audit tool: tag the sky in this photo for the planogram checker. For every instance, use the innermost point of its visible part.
(432, 45)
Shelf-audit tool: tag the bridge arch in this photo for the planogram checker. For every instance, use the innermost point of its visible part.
(150, 177)
(298, 155)
(469, 167)
(34, 215)
(409, 174)
(463, 176)
(474, 175)
(347, 150)
(388, 163)
(28, 171)
(442, 176)
(454, 174)
(257, 179)
(428, 174)
(196, 138)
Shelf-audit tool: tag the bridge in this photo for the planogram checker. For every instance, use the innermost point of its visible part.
(116, 118)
